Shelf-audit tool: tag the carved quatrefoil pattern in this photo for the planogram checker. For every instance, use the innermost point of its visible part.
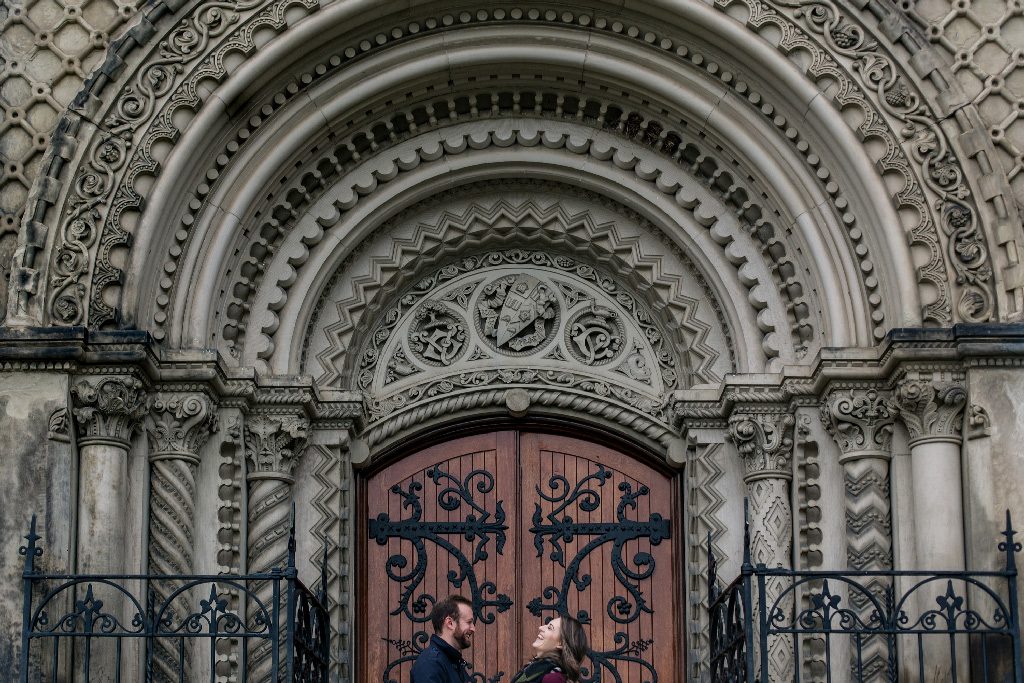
(555, 315)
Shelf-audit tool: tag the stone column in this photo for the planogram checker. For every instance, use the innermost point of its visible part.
(107, 410)
(861, 422)
(273, 444)
(181, 425)
(931, 405)
(764, 440)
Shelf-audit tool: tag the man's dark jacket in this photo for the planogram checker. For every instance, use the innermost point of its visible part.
(439, 663)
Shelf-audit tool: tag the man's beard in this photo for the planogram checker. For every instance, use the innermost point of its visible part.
(462, 638)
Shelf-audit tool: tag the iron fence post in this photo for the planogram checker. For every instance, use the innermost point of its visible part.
(290, 574)
(1011, 547)
(31, 552)
(747, 570)
(275, 630)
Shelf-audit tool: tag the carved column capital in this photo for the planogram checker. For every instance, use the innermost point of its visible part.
(765, 442)
(861, 422)
(273, 443)
(109, 409)
(180, 425)
(932, 408)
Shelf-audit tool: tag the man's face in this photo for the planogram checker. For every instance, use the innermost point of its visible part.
(465, 627)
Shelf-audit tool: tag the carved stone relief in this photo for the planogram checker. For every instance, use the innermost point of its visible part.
(701, 335)
(520, 311)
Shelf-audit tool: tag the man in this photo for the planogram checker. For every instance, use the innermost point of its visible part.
(441, 661)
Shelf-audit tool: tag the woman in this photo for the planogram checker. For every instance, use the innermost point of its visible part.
(558, 653)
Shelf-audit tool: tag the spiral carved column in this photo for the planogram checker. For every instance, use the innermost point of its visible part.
(861, 422)
(765, 442)
(181, 425)
(273, 444)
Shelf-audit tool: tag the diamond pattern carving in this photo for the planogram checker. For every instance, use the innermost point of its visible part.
(985, 40)
(47, 48)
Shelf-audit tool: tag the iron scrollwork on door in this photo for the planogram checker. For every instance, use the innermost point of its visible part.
(479, 527)
(558, 528)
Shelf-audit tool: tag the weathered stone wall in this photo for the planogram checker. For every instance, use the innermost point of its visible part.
(36, 468)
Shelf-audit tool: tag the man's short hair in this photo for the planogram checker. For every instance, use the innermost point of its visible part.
(449, 607)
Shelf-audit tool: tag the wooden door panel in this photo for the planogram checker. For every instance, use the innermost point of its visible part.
(439, 524)
(470, 516)
(600, 522)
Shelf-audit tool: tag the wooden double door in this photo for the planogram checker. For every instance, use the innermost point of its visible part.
(527, 526)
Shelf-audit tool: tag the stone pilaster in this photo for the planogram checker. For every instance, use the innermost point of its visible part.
(107, 410)
(764, 439)
(861, 422)
(180, 425)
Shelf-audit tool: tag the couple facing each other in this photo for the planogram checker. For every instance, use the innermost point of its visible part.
(558, 650)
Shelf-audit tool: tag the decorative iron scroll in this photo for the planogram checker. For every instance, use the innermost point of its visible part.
(77, 627)
(479, 526)
(558, 528)
(925, 618)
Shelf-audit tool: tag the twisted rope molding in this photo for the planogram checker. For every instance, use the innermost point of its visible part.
(413, 417)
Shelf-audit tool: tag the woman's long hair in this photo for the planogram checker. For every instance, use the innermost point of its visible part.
(569, 657)
(574, 647)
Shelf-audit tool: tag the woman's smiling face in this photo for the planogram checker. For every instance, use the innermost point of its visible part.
(549, 637)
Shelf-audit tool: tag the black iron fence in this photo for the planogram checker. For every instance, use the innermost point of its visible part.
(781, 625)
(134, 627)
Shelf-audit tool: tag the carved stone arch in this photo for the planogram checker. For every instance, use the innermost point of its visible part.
(669, 41)
(722, 246)
(715, 176)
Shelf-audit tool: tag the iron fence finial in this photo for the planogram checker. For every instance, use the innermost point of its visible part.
(31, 551)
(1010, 546)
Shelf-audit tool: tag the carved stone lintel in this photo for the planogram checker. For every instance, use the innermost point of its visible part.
(765, 442)
(273, 443)
(861, 422)
(181, 425)
(109, 410)
(933, 410)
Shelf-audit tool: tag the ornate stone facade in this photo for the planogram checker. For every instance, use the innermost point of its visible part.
(719, 231)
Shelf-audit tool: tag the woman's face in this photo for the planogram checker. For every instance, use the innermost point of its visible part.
(549, 637)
